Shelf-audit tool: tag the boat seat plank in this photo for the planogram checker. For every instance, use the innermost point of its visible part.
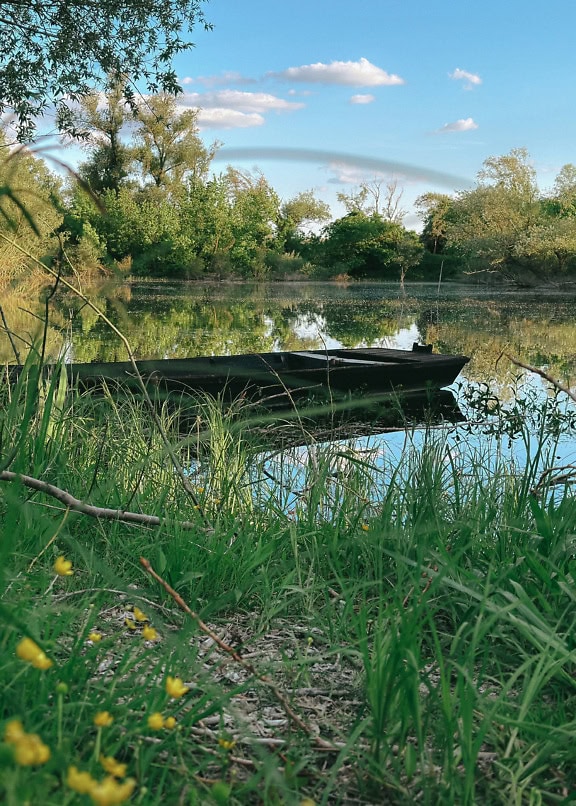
(336, 360)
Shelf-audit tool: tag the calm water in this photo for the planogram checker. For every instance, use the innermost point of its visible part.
(165, 320)
(169, 320)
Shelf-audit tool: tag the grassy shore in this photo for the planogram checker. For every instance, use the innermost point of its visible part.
(392, 631)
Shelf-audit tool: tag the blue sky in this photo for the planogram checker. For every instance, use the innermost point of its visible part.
(438, 86)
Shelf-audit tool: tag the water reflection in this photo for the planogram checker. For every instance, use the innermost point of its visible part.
(169, 320)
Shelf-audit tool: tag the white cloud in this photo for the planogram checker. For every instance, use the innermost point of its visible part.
(226, 77)
(362, 99)
(349, 74)
(462, 125)
(471, 79)
(227, 119)
(239, 101)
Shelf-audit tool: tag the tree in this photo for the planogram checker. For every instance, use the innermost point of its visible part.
(30, 208)
(254, 206)
(297, 213)
(434, 210)
(550, 246)
(512, 173)
(368, 246)
(54, 52)
(101, 120)
(376, 198)
(167, 146)
(486, 223)
(563, 199)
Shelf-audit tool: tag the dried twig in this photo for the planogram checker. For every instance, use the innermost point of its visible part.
(9, 334)
(280, 696)
(542, 374)
(555, 475)
(77, 505)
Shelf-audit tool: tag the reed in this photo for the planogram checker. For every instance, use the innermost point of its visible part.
(393, 627)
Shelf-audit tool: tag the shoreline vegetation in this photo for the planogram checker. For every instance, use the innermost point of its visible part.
(377, 628)
(194, 612)
(151, 206)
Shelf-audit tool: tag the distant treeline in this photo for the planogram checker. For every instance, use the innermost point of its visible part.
(151, 205)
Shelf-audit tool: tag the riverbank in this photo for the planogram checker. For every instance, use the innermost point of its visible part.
(396, 629)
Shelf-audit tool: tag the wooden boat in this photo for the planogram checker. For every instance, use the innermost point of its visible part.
(336, 373)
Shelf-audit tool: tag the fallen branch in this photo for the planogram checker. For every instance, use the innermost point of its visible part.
(554, 476)
(77, 505)
(282, 699)
(542, 374)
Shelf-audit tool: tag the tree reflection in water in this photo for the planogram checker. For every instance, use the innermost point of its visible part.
(169, 320)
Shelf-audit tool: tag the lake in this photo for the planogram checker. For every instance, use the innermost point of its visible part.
(171, 320)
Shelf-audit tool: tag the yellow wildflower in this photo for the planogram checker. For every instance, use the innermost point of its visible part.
(149, 633)
(170, 722)
(156, 721)
(14, 731)
(175, 687)
(365, 527)
(63, 567)
(94, 637)
(139, 615)
(109, 792)
(113, 767)
(130, 624)
(103, 719)
(226, 744)
(81, 782)
(29, 749)
(29, 651)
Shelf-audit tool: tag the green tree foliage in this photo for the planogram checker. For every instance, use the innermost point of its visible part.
(434, 211)
(298, 213)
(563, 199)
(166, 144)
(101, 120)
(486, 223)
(53, 52)
(368, 246)
(549, 246)
(30, 208)
(254, 211)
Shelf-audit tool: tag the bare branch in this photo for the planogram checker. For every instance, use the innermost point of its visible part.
(75, 504)
(542, 374)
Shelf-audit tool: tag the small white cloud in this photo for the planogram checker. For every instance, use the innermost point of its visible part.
(471, 79)
(227, 119)
(349, 74)
(240, 101)
(226, 77)
(462, 125)
(362, 99)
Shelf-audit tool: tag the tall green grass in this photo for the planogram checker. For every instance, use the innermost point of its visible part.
(431, 602)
